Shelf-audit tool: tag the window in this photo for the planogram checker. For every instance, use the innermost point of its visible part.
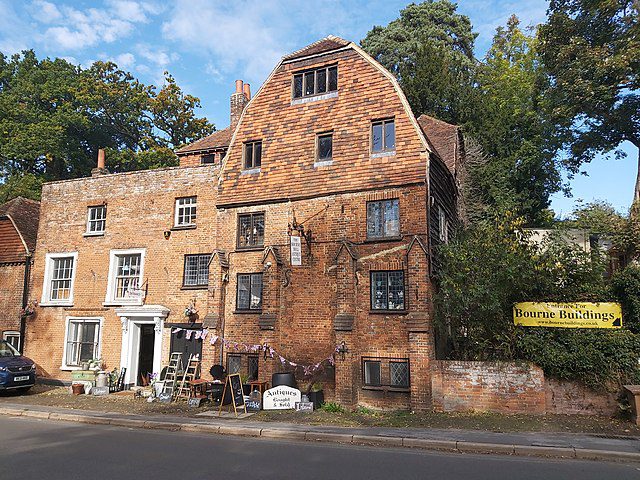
(386, 372)
(208, 159)
(250, 230)
(59, 278)
(249, 295)
(315, 82)
(13, 338)
(82, 341)
(234, 364)
(383, 219)
(185, 211)
(383, 136)
(324, 147)
(125, 284)
(252, 367)
(96, 219)
(443, 225)
(387, 290)
(196, 270)
(252, 155)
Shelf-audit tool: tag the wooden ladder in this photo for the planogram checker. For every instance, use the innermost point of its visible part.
(175, 365)
(190, 373)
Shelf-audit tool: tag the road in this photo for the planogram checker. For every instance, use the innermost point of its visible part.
(51, 450)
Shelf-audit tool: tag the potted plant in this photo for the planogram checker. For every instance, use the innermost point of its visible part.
(246, 388)
(316, 395)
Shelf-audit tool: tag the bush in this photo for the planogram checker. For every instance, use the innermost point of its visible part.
(332, 407)
(626, 287)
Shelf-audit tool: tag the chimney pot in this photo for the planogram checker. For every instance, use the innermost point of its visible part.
(238, 86)
(247, 91)
(100, 169)
(101, 158)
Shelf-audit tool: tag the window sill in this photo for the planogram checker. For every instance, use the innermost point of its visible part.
(242, 312)
(323, 163)
(121, 303)
(387, 312)
(65, 368)
(389, 153)
(251, 171)
(194, 287)
(314, 98)
(383, 239)
(183, 227)
(93, 234)
(55, 304)
(387, 389)
(257, 248)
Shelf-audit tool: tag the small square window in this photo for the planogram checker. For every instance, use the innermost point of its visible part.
(250, 230)
(372, 375)
(252, 155)
(196, 270)
(383, 219)
(249, 293)
(399, 374)
(383, 136)
(387, 290)
(324, 147)
(96, 219)
(185, 214)
(208, 159)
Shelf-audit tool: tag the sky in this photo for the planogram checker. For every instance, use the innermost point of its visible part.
(207, 44)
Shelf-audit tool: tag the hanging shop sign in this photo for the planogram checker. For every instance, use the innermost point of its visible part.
(281, 398)
(568, 315)
(296, 251)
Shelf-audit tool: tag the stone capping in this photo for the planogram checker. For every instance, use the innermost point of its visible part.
(343, 322)
(267, 321)
(417, 322)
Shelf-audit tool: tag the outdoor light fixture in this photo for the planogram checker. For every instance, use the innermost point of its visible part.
(167, 234)
(342, 349)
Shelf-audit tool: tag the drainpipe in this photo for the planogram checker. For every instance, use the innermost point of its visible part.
(25, 299)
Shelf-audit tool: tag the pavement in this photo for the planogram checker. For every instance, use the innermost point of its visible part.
(550, 445)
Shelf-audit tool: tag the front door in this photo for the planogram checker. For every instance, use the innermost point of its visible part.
(145, 355)
(186, 346)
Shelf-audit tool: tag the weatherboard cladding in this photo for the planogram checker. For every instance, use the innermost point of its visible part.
(288, 133)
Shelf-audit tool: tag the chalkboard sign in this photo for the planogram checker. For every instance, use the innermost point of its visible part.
(233, 394)
(194, 402)
(304, 406)
(164, 397)
(255, 402)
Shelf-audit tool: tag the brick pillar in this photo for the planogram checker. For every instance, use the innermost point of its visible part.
(346, 387)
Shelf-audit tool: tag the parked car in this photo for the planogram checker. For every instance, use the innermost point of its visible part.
(16, 372)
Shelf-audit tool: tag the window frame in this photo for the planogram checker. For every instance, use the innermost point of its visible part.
(254, 246)
(253, 144)
(385, 373)
(315, 70)
(383, 203)
(213, 157)
(318, 159)
(250, 275)
(12, 334)
(110, 297)
(90, 232)
(46, 300)
(98, 344)
(178, 207)
(404, 291)
(184, 271)
(244, 364)
(385, 149)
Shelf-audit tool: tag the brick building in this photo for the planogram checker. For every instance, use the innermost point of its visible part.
(18, 230)
(327, 153)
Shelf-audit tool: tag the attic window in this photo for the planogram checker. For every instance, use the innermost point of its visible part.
(208, 159)
(315, 82)
(252, 155)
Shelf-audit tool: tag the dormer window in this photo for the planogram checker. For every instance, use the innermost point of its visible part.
(208, 159)
(315, 82)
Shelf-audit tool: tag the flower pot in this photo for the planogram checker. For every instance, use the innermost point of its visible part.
(246, 389)
(317, 398)
(77, 388)
(284, 378)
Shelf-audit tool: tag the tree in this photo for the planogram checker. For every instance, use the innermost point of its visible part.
(591, 50)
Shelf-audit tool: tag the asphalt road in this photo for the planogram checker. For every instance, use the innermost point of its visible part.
(50, 450)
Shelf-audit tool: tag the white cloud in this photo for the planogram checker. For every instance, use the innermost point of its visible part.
(156, 55)
(45, 12)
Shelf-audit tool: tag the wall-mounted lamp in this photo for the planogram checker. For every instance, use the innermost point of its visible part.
(167, 234)
(343, 349)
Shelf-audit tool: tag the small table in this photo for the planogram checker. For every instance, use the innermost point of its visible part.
(260, 386)
(198, 388)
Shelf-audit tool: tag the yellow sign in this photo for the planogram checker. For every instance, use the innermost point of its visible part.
(568, 315)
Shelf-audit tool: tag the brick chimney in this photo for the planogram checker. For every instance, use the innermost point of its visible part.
(100, 169)
(239, 100)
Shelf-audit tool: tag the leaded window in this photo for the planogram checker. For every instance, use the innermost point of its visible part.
(96, 219)
(252, 367)
(387, 290)
(185, 211)
(83, 337)
(249, 294)
(399, 374)
(383, 219)
(196, 270)
(234, 364)
(386, 372)
(250, 230)
(383, 136)
(315, 82)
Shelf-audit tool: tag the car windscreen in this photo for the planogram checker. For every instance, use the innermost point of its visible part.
(7, 350)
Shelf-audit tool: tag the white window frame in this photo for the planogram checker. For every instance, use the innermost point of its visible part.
(180, 207)
(12, 333)
(110, 297)
(99, 321)
(90, 233)
(45, 300)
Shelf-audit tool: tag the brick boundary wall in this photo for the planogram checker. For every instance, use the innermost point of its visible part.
(502, 387)
(573, 398)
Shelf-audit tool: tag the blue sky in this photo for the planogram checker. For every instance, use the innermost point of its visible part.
(207, 44)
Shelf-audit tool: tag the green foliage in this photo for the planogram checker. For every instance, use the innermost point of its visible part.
(332, 407)
(626, 287)
(54, 116)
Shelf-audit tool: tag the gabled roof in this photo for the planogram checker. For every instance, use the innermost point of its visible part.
(324, 45)
(218, 139)
(443, 137)
(24, 214)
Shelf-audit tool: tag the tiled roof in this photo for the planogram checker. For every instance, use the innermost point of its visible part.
(443, 137)
(325, 45)
(25, 214)
(217, 139)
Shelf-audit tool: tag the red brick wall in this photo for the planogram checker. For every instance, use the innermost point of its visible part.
(487, 386)
(11, 284)
(574, 398)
